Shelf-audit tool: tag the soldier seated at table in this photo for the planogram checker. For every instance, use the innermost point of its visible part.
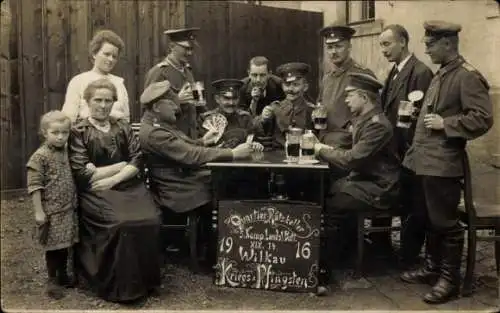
(178, 182)
(294, 110)
(240, 124)
(373, 167)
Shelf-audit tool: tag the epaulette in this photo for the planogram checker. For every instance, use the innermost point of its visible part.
(162, 64)
(362, 67)
(469, 67)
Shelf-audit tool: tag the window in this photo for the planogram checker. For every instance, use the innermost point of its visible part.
(493, 9)
(360, 11)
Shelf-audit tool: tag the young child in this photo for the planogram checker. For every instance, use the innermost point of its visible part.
(51, 186)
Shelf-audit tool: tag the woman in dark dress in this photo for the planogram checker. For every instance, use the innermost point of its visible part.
(118, 250)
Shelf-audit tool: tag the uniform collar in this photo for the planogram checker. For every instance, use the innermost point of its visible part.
(446, 68)
(344, 66)
(368, 115)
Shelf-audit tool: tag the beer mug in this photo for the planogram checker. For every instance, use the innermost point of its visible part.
(292, 145)
(199, 95)
(319, 115)
(307, 146)
(405, 111)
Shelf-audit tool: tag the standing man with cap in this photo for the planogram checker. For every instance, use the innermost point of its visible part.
(373, 167)
(407, 74)
(176, 69)
(456, 108)
(332, 92)
(294, 110)
(178, 182)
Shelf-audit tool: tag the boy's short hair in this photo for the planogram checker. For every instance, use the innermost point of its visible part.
(259, 61)
(51, 117)
(102, 83)
(105, 36)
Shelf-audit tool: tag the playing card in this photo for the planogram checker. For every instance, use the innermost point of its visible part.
(208, 125)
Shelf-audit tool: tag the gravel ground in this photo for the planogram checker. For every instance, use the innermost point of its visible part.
(23, 276)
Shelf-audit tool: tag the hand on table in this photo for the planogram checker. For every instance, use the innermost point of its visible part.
(242, 151)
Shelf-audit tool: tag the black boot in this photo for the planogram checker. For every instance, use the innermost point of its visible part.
(448, 285)
(429, 273)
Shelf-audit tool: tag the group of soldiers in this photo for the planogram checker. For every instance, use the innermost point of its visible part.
(375, 164)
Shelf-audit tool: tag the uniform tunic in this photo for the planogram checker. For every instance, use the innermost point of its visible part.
(287, 114)
(177, 180)
(178, 75)
(332, 96)
(49, 172)
(373, 166)
(239, 125)
(459, 94)
(118, 251)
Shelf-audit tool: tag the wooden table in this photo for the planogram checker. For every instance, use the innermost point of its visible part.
(267, 243)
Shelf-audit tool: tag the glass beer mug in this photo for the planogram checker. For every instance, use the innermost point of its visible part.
(292, 144)
(307, 146)
(199, 95)
(319, 116)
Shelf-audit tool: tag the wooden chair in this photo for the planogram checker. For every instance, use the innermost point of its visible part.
(477, 217)
(192, 218)
(363, 231)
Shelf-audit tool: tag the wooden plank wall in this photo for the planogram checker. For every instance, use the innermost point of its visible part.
(49, 45)
(232, 33)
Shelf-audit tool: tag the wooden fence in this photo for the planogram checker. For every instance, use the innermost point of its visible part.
(48, 44)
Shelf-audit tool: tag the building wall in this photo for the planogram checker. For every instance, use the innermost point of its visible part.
(479, 44)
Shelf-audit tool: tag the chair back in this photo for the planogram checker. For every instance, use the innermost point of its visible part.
(470, 209)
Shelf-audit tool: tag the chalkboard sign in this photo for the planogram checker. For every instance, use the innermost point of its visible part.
(268, 245)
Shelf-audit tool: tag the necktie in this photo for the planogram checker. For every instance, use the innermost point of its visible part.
(395, 72)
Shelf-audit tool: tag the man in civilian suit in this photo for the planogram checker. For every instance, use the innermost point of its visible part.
(407, 74)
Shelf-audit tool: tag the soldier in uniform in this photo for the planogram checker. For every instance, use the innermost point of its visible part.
(373, 166)
(332, 94)
(332, 90)
(407, 74)
(176, 69)
(177, 181)
(294, 110)
(456, 108)
(239, 122)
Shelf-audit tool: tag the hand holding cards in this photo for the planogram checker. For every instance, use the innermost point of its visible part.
(215, 123)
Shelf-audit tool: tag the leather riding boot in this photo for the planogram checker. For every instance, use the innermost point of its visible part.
(429, 273)
(448, 285)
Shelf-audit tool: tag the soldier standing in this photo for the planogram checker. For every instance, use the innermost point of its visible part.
(176, 69)
(456, 108)
(332, 92)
